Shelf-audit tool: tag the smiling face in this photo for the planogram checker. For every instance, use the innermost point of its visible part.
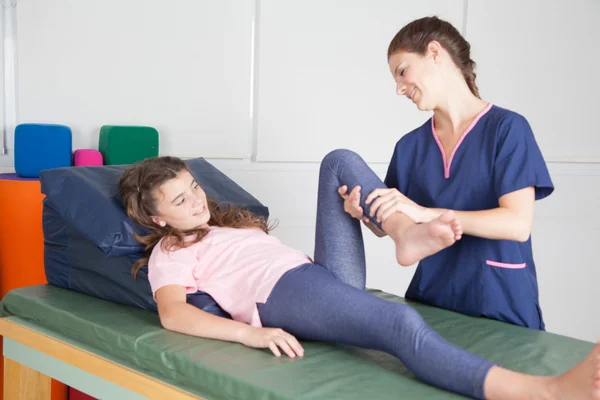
(181, 203)
(419, 77)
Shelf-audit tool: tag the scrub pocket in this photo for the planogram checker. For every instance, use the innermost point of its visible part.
(510, 293)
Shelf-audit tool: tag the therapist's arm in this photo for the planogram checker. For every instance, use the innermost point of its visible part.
(512, 220)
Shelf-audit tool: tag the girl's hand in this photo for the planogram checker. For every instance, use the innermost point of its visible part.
(390, 201)
(352, 202)
(273, 338)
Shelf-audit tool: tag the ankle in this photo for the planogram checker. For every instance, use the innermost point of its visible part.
(541, 388)
(396, 225)
(504, 384)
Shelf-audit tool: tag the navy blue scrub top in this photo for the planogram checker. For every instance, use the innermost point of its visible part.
(496, 155)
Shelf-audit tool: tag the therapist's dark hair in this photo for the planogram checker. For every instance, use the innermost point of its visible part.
(415, 37)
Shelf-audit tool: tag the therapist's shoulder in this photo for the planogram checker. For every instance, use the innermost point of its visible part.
(412, 138)
(509, 122)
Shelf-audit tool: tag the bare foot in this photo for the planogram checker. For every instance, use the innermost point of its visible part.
(581, 382)
(422, 240)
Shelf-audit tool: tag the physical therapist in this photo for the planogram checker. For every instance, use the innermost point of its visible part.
(473, 157)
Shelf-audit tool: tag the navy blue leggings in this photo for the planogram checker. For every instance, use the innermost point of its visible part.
(326, 301)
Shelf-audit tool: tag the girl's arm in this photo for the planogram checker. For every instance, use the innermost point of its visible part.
(179, 316)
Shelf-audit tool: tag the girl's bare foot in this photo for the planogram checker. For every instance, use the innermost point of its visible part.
(422, 240)
(582, 382)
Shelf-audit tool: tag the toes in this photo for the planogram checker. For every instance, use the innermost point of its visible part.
(447, 217)
(457, 229)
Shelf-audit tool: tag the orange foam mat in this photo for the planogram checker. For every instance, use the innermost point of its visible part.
(22, 245)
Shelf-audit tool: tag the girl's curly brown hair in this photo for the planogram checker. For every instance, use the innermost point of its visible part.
(137, 186)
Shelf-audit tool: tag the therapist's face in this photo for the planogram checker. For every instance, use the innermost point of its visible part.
(417, 77)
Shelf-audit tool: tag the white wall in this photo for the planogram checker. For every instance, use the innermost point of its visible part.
(323, 75)
(183, 67)
(264, 89)
(540, 58)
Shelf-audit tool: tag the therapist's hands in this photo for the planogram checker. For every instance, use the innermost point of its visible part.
(385, 202)
(352, 202)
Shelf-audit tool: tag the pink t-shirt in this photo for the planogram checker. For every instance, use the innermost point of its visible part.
(237, 267)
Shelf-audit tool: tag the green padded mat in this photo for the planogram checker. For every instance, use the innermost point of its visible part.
(222, 370)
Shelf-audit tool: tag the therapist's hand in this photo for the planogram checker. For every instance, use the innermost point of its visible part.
(352, 202)
(386, 202)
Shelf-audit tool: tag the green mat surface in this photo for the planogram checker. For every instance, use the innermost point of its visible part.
(222, 370)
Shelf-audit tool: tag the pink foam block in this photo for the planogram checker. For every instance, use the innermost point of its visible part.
(87, 157)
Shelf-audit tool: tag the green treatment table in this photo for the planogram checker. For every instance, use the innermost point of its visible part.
(117, 352)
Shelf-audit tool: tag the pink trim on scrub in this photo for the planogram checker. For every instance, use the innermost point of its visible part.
(437, 139)
(505, 265)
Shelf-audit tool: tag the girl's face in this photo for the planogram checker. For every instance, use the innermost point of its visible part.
(417, 77)
(181, 203)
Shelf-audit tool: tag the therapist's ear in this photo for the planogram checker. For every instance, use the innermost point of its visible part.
(434, 50)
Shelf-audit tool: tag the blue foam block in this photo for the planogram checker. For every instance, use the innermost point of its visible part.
(41, 146)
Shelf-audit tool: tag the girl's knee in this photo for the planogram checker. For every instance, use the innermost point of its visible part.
(338, 156)
(401, 326)
(409, 317)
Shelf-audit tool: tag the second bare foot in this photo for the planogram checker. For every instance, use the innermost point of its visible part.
(582, 382)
